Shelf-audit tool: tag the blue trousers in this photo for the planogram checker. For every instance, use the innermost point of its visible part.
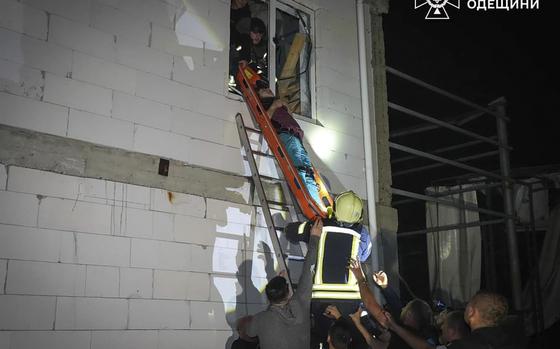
(301, 161)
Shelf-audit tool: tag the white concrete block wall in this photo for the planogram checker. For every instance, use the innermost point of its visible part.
(141, 75)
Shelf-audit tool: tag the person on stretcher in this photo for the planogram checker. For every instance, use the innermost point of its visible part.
(290, 134)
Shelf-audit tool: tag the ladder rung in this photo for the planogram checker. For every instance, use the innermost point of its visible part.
(260, 153)
(254, 130)
(278, 203)
(271, 179)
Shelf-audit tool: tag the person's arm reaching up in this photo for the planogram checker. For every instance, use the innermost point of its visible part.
(414, 341)
(303, 292)
(367, 296)
(278, 103)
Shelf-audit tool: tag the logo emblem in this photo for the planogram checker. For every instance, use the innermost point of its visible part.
(437, 7)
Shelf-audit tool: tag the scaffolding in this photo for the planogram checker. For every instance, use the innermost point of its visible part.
(471, 154)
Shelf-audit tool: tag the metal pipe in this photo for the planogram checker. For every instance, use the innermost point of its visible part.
(508, 206)
(429, 167)
(445, 93)
(444, 160)
(537, 278)
(459, 121)
(449, 227)
(438, 151)
(452, 202)
(370, 139)
(442, 123)
(468, 188)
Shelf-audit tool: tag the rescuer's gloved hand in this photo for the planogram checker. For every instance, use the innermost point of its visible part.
(317, 227)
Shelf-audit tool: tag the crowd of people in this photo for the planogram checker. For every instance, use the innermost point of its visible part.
(287, 321)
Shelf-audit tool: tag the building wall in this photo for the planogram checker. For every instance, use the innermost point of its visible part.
(125, 261)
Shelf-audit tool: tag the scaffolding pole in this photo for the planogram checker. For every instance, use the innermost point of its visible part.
(449, 227)
(515, 274)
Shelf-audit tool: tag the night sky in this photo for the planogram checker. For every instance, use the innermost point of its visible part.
(485, 55)
(479, 56)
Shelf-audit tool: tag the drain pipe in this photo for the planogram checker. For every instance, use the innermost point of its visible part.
(370, 180)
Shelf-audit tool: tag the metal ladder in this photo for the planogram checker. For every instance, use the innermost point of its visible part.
(265, 203)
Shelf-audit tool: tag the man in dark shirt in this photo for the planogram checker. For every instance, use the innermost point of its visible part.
(291, 135)
(483, 314)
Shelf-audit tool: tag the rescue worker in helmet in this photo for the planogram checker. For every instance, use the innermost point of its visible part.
(344, 237)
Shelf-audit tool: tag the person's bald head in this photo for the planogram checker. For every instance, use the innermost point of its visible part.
(486, 309)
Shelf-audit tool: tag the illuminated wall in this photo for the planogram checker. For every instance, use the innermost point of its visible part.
(90, 263)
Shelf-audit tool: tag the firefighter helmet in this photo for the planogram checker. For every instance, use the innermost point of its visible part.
(348, 207)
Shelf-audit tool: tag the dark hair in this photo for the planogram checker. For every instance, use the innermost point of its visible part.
(420, 312)
(277, 289)
(257, 26)
(339, 334)
(260, 84)
(455, 320)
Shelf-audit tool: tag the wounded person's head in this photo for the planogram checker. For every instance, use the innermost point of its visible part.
(265, 93)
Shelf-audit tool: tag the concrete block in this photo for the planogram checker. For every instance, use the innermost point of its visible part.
(225, 211)
(3, 177)
(162, 226)
(148, 10)
(103, 73)
(18, 208)
(219, 107)
(144, 58)
(329, 77)
(202, 15)
(34, 115)
(197, 75)
(195, 230)
(72, 215)
(197, 338)
(137, 194)
(231, 135)
(338, 101)
(77, 313)
(347, 124)
(211, 315)
(35, 53)
(181, 285)
(177, 44)
(32, 243)
(264, 265)
(217, 156)
(142, 111)
(195, 125)
(215, 259)
(162, 143)
(26, 312)
(102, 281)
(5, 339)
(50, 339)
(135, 283)
(99, 250)
(158, 314)
(77, 10)
(178, 203)
(17, 79)
(78, 95)
(27, 180)
(138, 223)
(160, 255)
(168, 92)
(101, 130)
(23, 19)
(3, 271)
(124, 339)
(120, 23)
(334, 136)
(82, 38)
(45, 279)
(228, 289)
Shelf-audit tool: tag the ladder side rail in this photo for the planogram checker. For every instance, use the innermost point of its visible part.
(262, 196)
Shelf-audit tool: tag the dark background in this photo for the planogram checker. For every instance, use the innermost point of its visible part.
(478, 55)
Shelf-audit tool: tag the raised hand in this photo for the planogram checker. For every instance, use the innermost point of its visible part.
(332, 312)
(317, 227)
(381, 279)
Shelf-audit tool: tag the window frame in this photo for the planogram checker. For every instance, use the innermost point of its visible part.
(290, 7)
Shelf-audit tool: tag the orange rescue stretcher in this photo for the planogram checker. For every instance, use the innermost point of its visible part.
(247, 79)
